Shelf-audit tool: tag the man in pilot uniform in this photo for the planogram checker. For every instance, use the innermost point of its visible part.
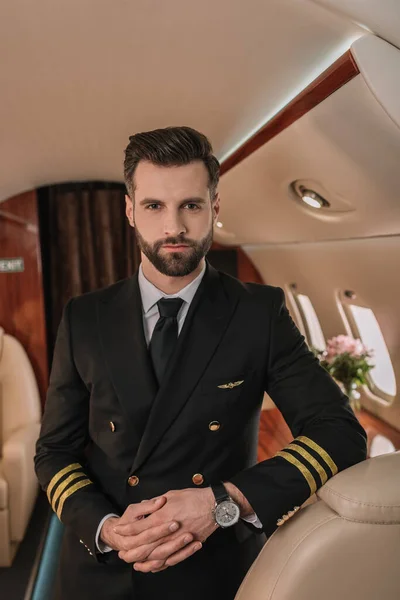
(148, 448)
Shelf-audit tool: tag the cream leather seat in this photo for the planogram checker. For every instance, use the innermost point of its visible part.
(20, 415)
(345, 545)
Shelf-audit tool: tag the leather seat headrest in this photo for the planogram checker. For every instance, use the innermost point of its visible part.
(368, 492)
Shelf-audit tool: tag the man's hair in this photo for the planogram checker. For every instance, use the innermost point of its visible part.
(172, 146)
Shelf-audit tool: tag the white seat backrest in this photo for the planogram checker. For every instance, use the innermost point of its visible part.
(19, 394)
(381, 445)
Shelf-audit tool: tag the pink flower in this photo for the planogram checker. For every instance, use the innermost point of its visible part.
(344, 343)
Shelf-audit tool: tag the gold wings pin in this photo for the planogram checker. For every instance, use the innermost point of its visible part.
(230, 385)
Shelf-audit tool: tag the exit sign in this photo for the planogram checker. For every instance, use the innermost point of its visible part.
(12, 265)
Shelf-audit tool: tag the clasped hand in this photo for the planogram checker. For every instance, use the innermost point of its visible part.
(159, 533)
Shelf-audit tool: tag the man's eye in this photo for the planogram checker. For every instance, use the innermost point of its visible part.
(153, 206)
(192, 206)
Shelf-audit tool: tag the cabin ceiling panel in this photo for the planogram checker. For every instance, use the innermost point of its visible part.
(78, 77)
(347, 147)
(381, 17)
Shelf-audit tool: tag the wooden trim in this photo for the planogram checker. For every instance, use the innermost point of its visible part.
(337, 75)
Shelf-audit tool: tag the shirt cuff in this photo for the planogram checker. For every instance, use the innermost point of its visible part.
(253, 519)
(101, 546)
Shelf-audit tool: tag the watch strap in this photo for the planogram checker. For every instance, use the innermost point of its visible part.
(220, 492)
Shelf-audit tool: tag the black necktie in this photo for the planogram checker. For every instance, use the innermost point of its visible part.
(165, 335)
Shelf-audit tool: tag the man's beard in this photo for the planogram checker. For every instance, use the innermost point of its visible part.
(175, 264)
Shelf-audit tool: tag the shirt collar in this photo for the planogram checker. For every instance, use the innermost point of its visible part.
(151, 294)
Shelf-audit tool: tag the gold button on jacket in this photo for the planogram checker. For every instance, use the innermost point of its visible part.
(197, 478)
(214, 425)
(133, 480)
(112, 426)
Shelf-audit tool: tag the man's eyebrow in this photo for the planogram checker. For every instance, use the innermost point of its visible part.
(196, 199)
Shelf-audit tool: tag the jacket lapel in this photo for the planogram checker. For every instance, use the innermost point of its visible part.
(209, 315)
(125, 350)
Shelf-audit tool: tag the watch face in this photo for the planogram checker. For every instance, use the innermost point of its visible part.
(227, 513)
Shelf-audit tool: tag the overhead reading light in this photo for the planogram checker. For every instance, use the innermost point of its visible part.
(314, 203)
(313, 199)
(221, 233)
(304, 193)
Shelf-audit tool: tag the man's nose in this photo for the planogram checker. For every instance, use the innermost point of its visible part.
(173, 225)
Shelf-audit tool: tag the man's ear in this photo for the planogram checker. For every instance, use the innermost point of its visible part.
(216, 206)
(129, 210)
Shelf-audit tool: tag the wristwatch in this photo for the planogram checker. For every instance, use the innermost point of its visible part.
(226, 511)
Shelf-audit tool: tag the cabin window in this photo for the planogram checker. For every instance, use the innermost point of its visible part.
(312, 326)
(382, 379)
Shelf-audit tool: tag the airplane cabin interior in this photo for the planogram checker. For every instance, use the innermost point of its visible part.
(300, 100)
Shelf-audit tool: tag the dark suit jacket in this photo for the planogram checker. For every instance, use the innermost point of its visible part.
(234, 332)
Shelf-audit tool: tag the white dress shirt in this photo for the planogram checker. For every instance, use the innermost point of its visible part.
(150, 295)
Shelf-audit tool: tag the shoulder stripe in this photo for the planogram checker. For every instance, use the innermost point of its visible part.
(303, 470)
(60, 474)
(323, 454)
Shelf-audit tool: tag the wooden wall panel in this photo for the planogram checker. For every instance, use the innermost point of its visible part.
(247, 272)
(22, 312)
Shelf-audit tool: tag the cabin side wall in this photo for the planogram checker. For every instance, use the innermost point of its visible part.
(369, 267)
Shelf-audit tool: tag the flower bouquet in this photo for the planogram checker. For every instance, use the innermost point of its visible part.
(347, 360)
